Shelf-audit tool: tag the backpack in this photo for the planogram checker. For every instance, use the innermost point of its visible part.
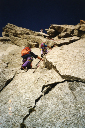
(25, 51)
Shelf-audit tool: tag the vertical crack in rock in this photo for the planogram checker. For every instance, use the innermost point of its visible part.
(32, 109)
(49, 87)
(8, 81)
(46, 91)
(38, 99)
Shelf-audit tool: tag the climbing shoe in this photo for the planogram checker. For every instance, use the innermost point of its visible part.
(22, 68)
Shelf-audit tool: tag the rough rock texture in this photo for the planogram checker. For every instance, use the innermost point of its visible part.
(66, 30)
(62, 107)
(51, 96)
(22, 36)
(63, 41)
(68, 61)
(9, 62)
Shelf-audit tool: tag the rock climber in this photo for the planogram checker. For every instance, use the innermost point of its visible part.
(44, 49)
(41, 30)
(27, 56)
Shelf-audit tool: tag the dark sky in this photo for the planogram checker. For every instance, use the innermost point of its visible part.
(39, 14)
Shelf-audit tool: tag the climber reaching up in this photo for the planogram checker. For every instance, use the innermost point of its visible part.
(27, 56)
(44, 49)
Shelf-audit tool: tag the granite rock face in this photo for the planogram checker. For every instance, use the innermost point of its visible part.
(68, 60)
(22, 36)
(66, 30)
(53, 95)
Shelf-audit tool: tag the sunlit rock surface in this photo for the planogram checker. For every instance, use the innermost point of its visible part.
(53, 95)
(69, 60)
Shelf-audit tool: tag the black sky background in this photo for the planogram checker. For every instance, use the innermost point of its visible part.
(39, 14)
